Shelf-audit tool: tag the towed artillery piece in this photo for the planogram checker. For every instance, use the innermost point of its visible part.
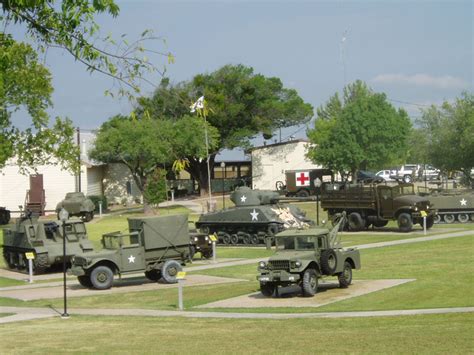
(451, 205)
(256, 217)
(45, 240)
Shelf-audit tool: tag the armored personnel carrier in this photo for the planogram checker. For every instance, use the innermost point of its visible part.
(45, 240)
(453, 205)
(256, 217)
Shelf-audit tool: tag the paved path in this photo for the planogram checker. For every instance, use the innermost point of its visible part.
(28, 313)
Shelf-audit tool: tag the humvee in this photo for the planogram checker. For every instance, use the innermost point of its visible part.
(305, 255)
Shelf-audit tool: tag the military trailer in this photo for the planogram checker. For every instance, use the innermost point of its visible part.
(377, 204)
(157, 246)
(303, 256)
(77, 205)
(256, 217)
(451, 205)
(45, 240)
(4, 215)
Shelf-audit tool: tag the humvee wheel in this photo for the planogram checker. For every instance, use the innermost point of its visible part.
(267, 289)
(463, 218)
(345, 277)
(102, 277)
(310, 283)
(356, 222)
(328, 261)
(153, 275)
(449, 218)
(234, 239)
(85, 281)
(405, 222)
(170, 270)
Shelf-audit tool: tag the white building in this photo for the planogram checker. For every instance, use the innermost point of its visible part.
(269, 162)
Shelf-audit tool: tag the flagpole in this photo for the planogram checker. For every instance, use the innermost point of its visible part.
(208, 167)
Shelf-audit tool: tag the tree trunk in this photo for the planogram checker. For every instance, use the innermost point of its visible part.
(198, 170)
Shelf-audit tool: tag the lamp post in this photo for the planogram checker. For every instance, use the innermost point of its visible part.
(223, 184)
(63, 216)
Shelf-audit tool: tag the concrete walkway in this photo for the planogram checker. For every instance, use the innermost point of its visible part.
(28, 313)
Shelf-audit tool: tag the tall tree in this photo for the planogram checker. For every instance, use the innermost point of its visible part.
(362, 131)
(450, 135)
(241, 105)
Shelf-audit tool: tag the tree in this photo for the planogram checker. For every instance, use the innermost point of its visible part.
(145, 144)
(25, 85)
(450, 135)
(362, 131)
(241, 105)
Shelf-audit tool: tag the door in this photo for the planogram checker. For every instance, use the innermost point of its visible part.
(131, 254)
(385, 200)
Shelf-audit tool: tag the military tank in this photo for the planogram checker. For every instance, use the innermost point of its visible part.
(45, 240)
(452, 205)
(255, 219)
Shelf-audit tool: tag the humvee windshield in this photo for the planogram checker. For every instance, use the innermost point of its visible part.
(295, 243)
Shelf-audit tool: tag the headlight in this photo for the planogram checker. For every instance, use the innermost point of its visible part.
(298, 264)
(73, 259)
(262, 264)
(416, 208)
(195, 239)
(206, 237)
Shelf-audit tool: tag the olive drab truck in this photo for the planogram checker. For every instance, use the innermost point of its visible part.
(303, 256)
(157, 246)
(376, 204)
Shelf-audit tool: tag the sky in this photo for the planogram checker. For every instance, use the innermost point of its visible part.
(417, 52)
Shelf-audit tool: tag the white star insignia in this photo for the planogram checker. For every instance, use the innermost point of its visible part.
(243, 198)
(131, 259)
(463, 202)
(254, 215)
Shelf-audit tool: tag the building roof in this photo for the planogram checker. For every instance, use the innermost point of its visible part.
(278, 144)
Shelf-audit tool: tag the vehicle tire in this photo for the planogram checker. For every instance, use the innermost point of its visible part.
(328, 262)
(226, 238)
(407, 178)
(380, 223)
(449, 218)
(206, 254)
(89, 216)
(302, 193)
(463, 217)
(437, 218)
(267, 289)
(356, 222)
(429, 222)
(102, 277)
(192, 251)
(310, 282)
(85, 281)
(345, 277)
(405, 222)
(279, 185)
(234, 239)
(40, 263)
(246, 238)
(254, 239)
(170, 270)
(153, 275)
(272, 229)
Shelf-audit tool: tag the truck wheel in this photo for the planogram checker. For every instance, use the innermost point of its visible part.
(345, 277)
(328, 261)
(310, 282)
(356, 222)
(302, 193)
(405, 222)
(267, 289)
(449, 218)
(153, 275)
(407, 178)
(463, 218)
(206, 254)
(102, 277)
(85, 281)
(429, 222)
(170, 270)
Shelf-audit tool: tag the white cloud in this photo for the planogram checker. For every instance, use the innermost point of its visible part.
(441, 82)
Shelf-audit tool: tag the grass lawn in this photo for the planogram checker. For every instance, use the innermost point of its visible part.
(411, 334)
(6, 282)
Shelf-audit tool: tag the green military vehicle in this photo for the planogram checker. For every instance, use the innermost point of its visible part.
(77, 205)
(200, 243)
(45, 240)
(451, 204)
(158, 246)
(303, 256)
(376, 204)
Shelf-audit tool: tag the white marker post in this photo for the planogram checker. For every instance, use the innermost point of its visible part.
(423, 214)
(30, 256)
(213, 240)
(180, 277)
(100, 209)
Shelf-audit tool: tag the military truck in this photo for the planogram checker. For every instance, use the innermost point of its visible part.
(77, 205)
(256, 217)
(376, 204)
(157, 246)
(45, 240)
(4, 215)
(303, 256)
(200, 243)
(305, 182)
(451, 204)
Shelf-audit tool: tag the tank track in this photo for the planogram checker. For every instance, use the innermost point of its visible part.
(448, 217)
(239, 236)
(15, 260)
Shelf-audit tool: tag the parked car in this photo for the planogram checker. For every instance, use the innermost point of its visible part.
(410, 172)
(387, 175)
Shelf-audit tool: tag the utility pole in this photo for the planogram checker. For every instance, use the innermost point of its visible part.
(78, 131)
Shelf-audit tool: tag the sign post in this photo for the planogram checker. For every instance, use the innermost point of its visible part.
(424, 214)
(30, 256)
(317, 184)
(213, 240)
(180, 276)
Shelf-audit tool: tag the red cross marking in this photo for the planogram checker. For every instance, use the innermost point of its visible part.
(302, 179)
